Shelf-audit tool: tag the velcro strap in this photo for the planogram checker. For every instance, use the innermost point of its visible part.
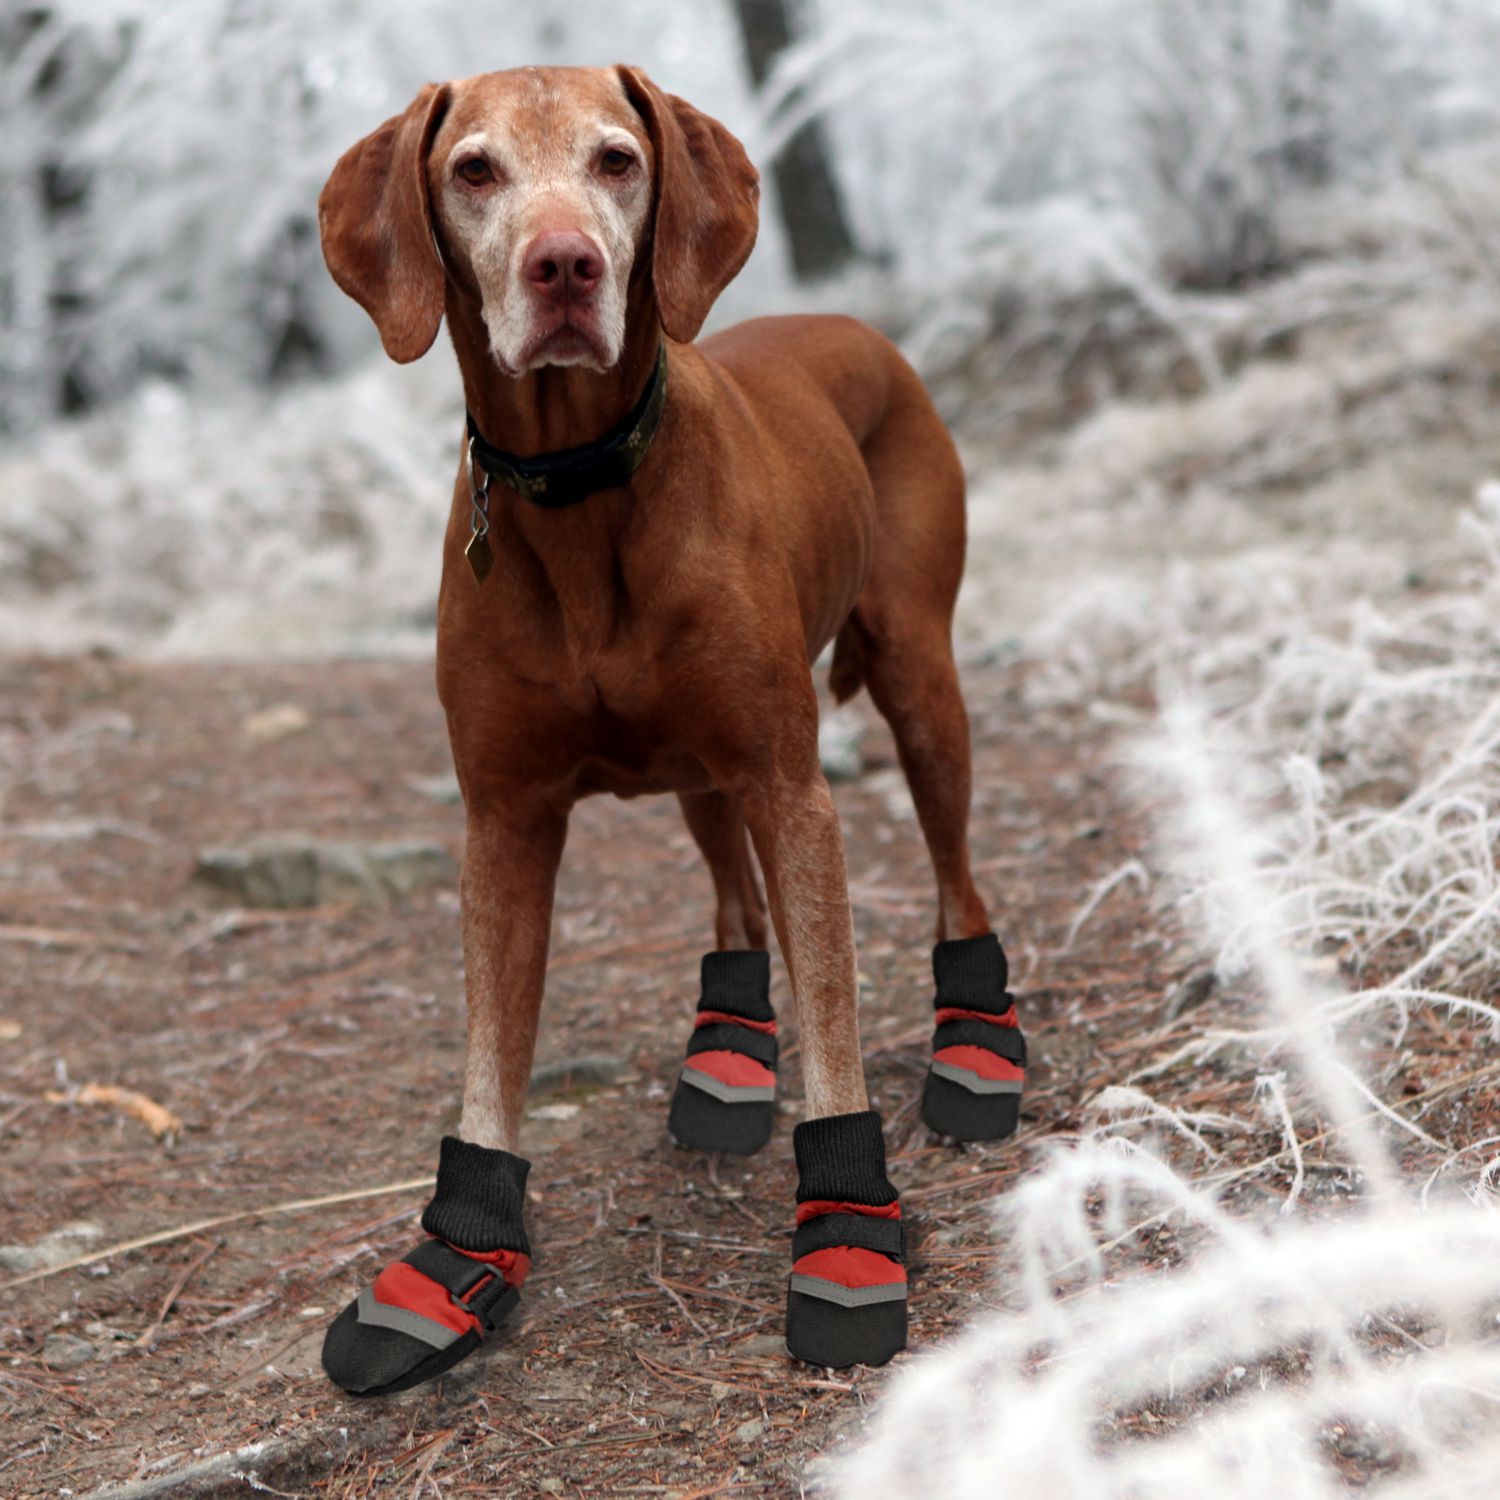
(492, 1304)
(455, 1273)
(998, 1005)
(730, 1038)
(859, 1231)
(1003, 1041)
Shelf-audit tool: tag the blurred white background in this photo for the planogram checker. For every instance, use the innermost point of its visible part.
(1210, 290)
(1052, 206)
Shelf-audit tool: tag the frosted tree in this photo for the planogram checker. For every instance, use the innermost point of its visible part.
(812, 206)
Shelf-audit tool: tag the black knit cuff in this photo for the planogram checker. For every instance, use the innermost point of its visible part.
(480, 1197)
(738, 982)
(842, 1158)
(972, 973)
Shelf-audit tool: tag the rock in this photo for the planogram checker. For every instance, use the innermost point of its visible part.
(550, 1486)
(107, 1333)
(1364, 1445)
(66, 1351)
(1189, 993)
(762, 1345)
(287, 870)
(51, 1250)
(555, 1112)
(751, 1431)
(440, 789)
(406, 865)
(839, 738)
(588, 1070)
(275, 723)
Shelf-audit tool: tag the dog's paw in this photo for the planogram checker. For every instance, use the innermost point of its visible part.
(846, 1299)
(436, 1305)
(421, 1316)
(978, 1068)
(726, 1094)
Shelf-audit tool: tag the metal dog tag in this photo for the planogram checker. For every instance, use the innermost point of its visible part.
(481, 558)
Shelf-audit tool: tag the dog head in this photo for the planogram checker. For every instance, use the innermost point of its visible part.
(561, 199)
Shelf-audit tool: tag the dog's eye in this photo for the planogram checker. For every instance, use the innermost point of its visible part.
(616, 163)
(476, 171)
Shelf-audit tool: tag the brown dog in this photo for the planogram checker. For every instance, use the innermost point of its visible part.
(796, 488)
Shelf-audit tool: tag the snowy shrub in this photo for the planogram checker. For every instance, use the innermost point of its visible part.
(161, 162)
(1006, 148)
(1287, 1347)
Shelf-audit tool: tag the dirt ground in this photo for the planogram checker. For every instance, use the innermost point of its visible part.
(317, 1053)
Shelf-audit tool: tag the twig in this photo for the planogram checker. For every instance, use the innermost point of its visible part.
(722, 1488)
(674, 1372)
(682, 1306)
(64, 937)
(185, 1231)
(159, 1120)
(625, 1438)
(146, 1339)
(714, 1293)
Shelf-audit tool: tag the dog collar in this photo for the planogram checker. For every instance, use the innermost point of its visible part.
(555, 480)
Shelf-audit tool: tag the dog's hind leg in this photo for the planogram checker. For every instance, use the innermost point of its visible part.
(719, 831)
(901, 637)
(913, 681)
(725, 1098)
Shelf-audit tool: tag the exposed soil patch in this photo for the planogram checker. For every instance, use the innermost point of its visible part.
(311, 1053)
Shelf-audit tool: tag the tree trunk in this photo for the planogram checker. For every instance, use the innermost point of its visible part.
(1309, 78)
(811, 206)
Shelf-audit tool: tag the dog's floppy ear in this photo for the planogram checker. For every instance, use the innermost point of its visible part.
(375, 219)
(705, 216)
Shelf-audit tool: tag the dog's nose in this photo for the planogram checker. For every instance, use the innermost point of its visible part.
(563, 264)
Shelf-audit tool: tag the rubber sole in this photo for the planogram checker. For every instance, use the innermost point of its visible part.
(701, 1122)
(951, 1109)
(820, 1332)
(351, 1349)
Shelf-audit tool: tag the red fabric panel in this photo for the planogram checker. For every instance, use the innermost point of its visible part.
(733, 1068)
(401, 1285)
(723, 1018)
(958, 1013)
(511, 1264)
(851, 1266)
(816, 1206)
(982, 1061)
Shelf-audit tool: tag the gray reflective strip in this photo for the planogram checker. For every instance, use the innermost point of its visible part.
(378, 1315)
(848, 1296)
(973, 1082)
(750, 1094)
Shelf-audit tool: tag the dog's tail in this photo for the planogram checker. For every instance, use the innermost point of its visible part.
(847, 674)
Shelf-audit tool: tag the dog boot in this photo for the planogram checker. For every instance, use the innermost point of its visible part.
(973, 1089)
(846, 1301)
(726, 1095)
(434, 1306)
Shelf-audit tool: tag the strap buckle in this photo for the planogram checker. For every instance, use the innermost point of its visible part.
(480, 555)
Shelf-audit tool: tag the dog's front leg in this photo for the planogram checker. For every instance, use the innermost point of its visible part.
(846, 1301)
(509, 874)
(795, 829)
(430, 1309)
